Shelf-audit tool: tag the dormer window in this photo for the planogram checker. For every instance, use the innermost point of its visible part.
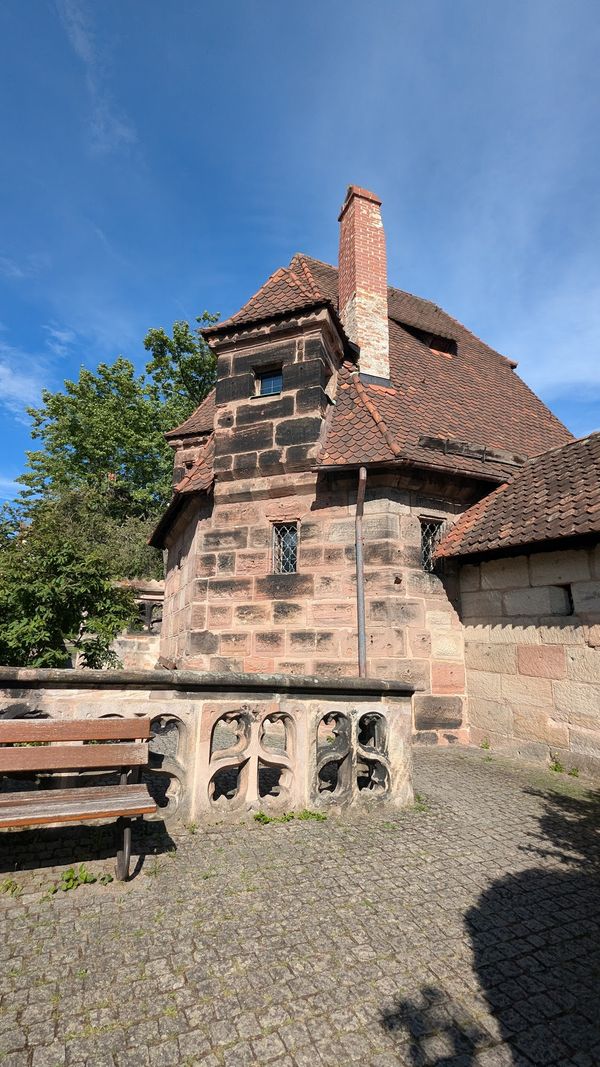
(269, 382)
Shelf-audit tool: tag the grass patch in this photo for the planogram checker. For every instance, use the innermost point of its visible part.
(302, 816)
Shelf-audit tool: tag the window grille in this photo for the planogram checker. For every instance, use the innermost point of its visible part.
(285, 547)
(269, 382)
(431, 531)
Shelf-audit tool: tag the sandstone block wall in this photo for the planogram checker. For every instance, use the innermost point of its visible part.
(532, 654)
(225, 610)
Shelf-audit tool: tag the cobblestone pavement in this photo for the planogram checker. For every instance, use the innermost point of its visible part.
(464, 932)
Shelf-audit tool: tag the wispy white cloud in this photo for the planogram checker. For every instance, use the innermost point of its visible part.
(22, 378)
(10, 269)
(60, 339)
(110, 129)
(8, 488)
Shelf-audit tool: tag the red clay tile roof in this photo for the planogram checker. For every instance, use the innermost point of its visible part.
(198, 480)
(200, 421)
(469, 393)
(554, 496)
(288, 289)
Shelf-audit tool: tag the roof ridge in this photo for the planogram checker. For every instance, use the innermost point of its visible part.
(177, 430)
(200, 459)
(374, 413)
(561, 448)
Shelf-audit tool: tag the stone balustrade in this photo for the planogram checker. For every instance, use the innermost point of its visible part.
(227, 745)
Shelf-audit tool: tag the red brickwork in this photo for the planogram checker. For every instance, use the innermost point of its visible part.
(363, 300)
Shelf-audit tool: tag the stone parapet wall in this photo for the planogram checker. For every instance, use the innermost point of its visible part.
(228, 745)
(532, 654)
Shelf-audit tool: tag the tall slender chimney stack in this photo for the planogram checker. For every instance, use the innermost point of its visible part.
(363, 280)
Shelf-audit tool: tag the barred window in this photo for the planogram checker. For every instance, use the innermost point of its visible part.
(285, 547)
(431, 531)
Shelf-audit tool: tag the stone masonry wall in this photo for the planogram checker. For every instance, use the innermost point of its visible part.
(226, 611)
(532, 653)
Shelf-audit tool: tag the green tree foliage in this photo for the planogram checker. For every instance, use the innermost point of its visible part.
(92, 493)
(55, 601)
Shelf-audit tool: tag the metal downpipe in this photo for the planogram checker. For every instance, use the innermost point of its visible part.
(360, 573)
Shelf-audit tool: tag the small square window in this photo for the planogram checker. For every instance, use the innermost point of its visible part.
(285, 547)
(431, 532)
(269, 382)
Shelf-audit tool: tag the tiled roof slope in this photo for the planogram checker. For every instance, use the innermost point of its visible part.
(288, 289)
(470, 395)
(198, 480)
(200, 421)
(554, 496)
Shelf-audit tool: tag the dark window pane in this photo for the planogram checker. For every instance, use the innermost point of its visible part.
(270, 383)
(285, 547)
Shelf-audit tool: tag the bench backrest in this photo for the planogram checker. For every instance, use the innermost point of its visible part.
(37, 744)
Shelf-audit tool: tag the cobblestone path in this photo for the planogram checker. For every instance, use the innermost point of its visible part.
(464, 932)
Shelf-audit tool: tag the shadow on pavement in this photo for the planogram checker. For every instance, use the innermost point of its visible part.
(535, 937)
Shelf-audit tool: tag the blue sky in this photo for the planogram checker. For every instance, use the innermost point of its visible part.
(163, 158)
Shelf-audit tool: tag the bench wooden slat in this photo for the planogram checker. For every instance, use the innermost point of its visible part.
(13, 730)
(74, 805)
(72, 757)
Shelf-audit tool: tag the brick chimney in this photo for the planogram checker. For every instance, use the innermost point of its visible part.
(363, 280)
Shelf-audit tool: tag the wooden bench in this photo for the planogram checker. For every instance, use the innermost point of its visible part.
(45, 746)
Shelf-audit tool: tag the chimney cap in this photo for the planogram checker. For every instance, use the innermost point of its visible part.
(354, 191)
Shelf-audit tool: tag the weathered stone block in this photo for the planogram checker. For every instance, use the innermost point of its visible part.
(230, 588)
(490, 716)
(236, 387)
(231, 538)
(447, 677)
(559, 568)
(271, 460)
(297, 431)
(262, 410)
(583, 665)
(586, 599)
(284, 586)
(203, 641)
(252, 562)
(304, 375)
(245, 463)
(269, 642)
(437, 712)
(543, 600)
(250, 439)
(265, 356)
(447, 644)
(505, 573)
(312, 399)
(482, 605)
(484, 684)
(287, 611)
(543, 661)
(469, 578)
(330, 611)
(533, 724)
(249, 614)
(419, 643)
(577, 702)
(518, 689)
(498, 659)
(406, 612)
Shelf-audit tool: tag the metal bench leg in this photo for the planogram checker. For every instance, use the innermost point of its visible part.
(124, 853)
